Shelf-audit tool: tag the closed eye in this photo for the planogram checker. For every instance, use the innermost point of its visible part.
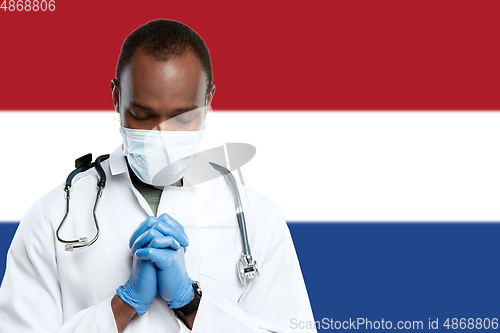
(187, 116)
(141, 119)
(141, 112)
(183, 120)
(141, 115)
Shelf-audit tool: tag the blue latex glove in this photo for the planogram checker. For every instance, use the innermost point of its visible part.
(142, 286)
(149, 233)
(174, 283)
(160, 243)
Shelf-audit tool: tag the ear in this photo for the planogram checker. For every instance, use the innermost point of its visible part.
(210, 95)
(115, 93)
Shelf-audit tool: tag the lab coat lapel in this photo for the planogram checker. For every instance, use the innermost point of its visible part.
(118, 168)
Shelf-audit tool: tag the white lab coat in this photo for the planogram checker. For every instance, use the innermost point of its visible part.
(46, 289)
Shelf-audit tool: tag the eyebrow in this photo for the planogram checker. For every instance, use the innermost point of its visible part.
(137, 105)
(177, 111)
(182, 110)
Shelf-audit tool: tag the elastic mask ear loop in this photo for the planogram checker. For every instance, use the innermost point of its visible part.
(204, 119)
(119, 102)
(207, 109)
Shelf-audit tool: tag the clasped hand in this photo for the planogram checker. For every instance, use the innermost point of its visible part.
(158, 246)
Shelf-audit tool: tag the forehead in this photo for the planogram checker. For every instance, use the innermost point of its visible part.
(181, 77)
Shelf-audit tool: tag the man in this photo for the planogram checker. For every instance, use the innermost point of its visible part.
(168, 236)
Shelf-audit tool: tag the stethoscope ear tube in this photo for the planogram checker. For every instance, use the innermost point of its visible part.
(100, 170)
(83, 163)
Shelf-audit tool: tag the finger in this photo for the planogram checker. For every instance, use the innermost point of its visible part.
(147, 224)
(160, 257)
(169, 230)
(163, 242)
(170, 227)
(170, 220)
(145, 238)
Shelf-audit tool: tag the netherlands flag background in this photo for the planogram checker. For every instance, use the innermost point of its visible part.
(376, 124)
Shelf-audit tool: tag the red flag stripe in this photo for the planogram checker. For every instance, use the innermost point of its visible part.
(319, 55)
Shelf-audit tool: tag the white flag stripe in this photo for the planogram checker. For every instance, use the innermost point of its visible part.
(318, 166)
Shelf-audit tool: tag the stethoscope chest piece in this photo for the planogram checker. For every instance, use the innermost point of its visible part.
(247, 268)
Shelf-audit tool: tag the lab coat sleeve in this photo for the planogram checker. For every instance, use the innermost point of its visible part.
(30, 295)
(273, 301)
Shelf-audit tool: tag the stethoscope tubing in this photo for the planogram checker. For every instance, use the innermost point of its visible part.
(240, 215)
(246, 266)
(237, 202)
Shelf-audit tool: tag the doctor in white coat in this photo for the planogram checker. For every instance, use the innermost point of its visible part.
(165, 260)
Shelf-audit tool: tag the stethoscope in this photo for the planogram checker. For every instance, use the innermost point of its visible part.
(246, 265)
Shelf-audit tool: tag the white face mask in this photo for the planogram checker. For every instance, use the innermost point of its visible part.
(160, 158)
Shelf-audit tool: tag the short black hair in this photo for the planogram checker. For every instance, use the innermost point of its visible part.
(165, 39)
